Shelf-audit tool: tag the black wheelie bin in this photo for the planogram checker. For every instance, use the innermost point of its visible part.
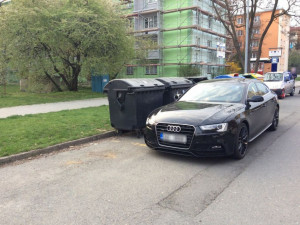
(174, 88)
(196, 79)
(132, 100)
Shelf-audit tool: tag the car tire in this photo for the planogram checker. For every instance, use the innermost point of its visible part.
(275, 120)
(241, 145)
(282, 96)
(293, 92)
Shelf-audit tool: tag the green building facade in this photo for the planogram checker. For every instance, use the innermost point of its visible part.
(186, 32)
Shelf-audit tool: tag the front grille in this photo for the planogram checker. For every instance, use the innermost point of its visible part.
(185, 129)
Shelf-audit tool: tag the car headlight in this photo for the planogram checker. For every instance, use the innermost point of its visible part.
(221, 127)
(150, 120)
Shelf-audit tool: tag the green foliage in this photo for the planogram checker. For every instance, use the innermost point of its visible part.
(294, 59)
(189, 71)
(65, 38)
(24, 133)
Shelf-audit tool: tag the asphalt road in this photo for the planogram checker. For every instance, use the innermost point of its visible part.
(120, 181)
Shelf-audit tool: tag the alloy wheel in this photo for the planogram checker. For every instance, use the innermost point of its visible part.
(243, 141)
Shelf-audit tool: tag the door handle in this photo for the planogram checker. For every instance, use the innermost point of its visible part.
(264, 105)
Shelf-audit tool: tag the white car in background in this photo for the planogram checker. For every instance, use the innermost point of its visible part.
(281, 83)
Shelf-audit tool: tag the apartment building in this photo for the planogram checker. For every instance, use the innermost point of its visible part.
(187, 33)
(275, 48)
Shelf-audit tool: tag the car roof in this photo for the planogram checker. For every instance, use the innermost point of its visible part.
(277, 72)
(230, 80)
(254, 74)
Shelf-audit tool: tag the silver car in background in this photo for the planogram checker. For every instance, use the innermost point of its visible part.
(281, 83)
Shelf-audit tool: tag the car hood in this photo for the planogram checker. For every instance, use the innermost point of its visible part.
(274, 84)
(194, 113)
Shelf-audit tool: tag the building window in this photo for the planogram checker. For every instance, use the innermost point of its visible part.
(256, 18)
(240, 21)
(150, 22)
(209, 43)
(151, 1)
(254, 55)
(129, 70)
(255, 31)
(208, 69)
(254, 44)
(209, 22)
(240, 33)
(198, 41)
(151, 70)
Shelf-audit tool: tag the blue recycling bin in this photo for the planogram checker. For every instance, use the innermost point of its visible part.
(99, 82)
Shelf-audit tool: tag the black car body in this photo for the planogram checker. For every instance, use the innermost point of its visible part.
(229, 114)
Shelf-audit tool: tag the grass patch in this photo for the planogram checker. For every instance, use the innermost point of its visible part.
(24, 133)
(15, 97)
(298, 78)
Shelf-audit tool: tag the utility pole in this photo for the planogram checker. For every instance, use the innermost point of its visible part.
(247, 38)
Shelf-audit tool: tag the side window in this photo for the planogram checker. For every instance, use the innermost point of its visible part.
(252, 90)
(286, 78)
(262, 89)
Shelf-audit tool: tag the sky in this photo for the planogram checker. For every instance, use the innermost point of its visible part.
(295, 11)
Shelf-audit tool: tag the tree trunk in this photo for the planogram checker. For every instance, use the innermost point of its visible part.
(75, 74)
(55, 84)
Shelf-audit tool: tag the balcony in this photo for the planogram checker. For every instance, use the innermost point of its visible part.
(154, 54)
(145, 6)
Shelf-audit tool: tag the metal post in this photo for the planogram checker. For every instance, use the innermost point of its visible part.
(247, 38)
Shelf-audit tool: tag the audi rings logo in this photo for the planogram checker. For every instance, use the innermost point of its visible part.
(172, 128)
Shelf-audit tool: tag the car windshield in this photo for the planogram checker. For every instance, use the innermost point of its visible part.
(215, 92)
(273, 77)
(248, 76)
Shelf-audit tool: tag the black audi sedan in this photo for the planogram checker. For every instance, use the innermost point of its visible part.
(214, 118)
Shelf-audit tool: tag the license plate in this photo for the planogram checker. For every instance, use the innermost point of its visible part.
(173, 138)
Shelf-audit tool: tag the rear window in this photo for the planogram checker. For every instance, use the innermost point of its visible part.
(273, 77)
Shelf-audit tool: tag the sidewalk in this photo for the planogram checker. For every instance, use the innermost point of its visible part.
(51, 107)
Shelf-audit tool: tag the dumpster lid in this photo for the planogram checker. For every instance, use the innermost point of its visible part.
(132, 84)
(196, 79)
(175, 81)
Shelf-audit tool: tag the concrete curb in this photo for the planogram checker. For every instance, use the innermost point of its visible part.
(54, 148)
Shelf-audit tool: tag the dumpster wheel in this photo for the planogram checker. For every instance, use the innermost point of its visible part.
(120, 132)
(138, 133)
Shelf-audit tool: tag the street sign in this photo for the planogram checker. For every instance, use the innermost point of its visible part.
(275, 53)
(275, 60)
(221, 48)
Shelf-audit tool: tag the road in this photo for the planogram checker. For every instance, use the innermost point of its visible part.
(120, 181)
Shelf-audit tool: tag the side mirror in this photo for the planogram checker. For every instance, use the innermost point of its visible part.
(286, 79)
(256, 98)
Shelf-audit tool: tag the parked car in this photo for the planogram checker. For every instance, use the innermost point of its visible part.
(253, 76)
(281, 83)
(229, 76)
(214, 118)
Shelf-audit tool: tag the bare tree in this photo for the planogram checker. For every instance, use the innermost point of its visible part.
(229, 10)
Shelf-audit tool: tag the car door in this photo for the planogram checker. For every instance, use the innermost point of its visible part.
(287, 84)
(269, 104)
(254, 112)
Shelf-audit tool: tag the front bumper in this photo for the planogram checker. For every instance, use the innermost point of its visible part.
(202, 145)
